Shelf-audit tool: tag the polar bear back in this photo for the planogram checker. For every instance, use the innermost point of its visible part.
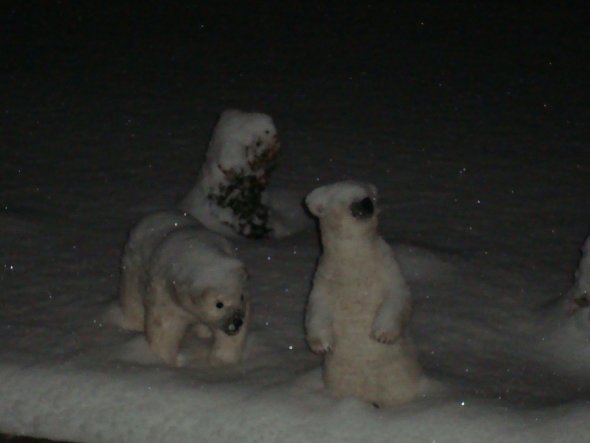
(194, 259)
(150, 231)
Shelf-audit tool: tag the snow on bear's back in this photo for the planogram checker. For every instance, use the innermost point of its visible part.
(234, 131)
(145, 236)
(164, 221)
(199, 258)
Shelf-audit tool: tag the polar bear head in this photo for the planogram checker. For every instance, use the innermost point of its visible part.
(346, 209)
(224, 310)
(219, 299)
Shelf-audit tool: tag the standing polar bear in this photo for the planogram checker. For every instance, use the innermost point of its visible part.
(176, 274)
(359, 304)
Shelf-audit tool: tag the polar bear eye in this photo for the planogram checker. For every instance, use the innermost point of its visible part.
(219, 305)
(362, 209)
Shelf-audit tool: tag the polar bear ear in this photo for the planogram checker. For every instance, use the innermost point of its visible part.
(314, 202)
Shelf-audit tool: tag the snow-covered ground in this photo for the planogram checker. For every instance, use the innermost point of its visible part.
(481, 163)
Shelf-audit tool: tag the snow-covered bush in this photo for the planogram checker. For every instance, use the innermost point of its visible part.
(229, 195)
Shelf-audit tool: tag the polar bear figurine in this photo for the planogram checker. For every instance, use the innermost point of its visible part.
(176, 274)
(360, 303)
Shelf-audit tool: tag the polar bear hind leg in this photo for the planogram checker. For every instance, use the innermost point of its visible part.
(165, 327)
(390, 378)
(398, 380)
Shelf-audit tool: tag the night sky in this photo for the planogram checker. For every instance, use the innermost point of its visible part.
(475, 63)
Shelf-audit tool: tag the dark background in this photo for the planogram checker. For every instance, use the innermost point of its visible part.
(479, 62)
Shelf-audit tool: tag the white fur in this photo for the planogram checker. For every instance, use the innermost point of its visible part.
(359, 304)
(174, 273)
(239, 141)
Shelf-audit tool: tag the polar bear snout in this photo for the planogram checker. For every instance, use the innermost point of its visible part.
(362, 209)
(234, 323)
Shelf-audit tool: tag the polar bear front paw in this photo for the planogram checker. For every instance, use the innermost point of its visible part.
(386, 336)
(319, 345)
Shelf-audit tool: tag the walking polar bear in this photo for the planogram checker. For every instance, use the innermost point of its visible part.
(176, 274)
(359, 305)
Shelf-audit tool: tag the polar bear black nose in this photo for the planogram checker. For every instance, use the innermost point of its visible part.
(234, 324)
(362, 209)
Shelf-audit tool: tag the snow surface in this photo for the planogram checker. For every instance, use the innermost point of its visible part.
(482, 173)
